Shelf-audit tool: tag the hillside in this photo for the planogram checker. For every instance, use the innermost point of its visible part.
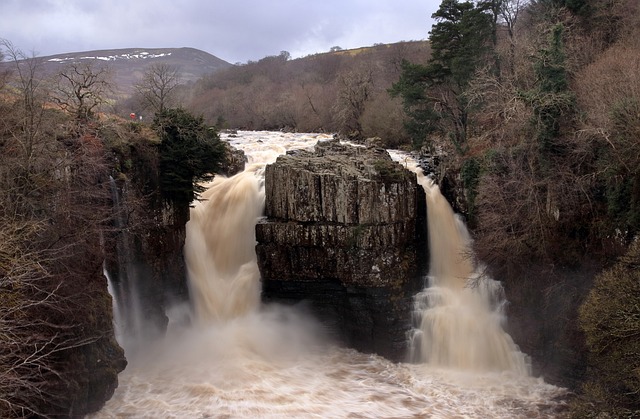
(342, 91)
(129, 64)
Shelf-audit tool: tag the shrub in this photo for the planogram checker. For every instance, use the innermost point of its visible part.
(610, 319)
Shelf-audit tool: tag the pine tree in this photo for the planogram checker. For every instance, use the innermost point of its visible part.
(551, 99)
(190, 153)
(434, 94)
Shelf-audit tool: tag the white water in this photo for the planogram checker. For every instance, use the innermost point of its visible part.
(460, 311)
(239, 359)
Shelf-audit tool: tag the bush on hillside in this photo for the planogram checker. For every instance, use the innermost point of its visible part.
(610, 319)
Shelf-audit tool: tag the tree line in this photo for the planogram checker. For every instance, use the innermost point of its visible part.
(344, 91)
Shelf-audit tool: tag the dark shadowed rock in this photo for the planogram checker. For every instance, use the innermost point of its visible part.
(234, 160)
(343, 230)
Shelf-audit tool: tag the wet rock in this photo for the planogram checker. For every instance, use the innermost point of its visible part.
(344, 231)
(235, 160)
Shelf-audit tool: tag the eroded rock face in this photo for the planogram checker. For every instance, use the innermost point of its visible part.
(344, 232)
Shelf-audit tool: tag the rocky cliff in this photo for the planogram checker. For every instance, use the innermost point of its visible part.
(344, 231)
(144, 246)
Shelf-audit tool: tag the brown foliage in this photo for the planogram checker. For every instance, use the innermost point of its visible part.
(610, 318)
(609, 79)
(546, 221)
(53, 326)
(314, 93)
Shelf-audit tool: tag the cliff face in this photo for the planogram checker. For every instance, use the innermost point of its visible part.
(344, 231)
(144, 247)
(91, 369)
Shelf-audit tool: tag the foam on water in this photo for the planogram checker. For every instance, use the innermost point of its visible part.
(270, 365)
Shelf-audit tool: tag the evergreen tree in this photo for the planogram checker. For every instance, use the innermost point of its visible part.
(434, 94)
(551, 99)
(190, 153)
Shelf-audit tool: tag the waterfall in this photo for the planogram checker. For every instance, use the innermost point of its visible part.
(128, 318)
(460, 312)
(220, 247)
(239, 358)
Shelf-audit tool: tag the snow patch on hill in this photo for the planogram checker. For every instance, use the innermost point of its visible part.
(140, 55)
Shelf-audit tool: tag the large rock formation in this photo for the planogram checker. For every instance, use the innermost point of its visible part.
(344, 231)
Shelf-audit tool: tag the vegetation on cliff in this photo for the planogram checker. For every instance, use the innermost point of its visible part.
(610, 318)
(190, 153)
(58, 354)
(540, 129)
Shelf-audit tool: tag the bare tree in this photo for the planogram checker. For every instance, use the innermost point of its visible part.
(355, 90)
(158, 85)
(81, 89)
(23, 128)
(509, 12)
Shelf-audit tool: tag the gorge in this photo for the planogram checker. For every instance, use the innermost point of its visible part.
(240, 357)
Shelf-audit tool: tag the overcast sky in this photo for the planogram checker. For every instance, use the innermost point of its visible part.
(234, 30)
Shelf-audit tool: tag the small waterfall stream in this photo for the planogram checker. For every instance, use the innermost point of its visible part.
(129, 324)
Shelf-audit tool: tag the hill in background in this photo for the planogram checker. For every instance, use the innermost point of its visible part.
(129, 64)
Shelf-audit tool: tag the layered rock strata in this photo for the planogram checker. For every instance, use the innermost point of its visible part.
(344, 231)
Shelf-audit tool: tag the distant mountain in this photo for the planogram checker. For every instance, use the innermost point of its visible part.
(129, 64)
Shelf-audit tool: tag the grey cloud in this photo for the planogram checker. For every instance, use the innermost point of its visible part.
(236, 31)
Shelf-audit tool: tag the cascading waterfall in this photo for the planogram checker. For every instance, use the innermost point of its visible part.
(219, 251)
(460, 312)
(239, 358)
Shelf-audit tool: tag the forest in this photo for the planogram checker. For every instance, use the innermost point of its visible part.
(532, 108)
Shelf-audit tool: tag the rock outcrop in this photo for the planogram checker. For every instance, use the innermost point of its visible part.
(344, 231)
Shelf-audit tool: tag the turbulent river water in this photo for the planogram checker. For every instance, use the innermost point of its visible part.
(237, 358)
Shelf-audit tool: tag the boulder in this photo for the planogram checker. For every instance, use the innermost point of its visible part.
(344, 231)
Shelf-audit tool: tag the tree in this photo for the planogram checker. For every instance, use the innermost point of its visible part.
(190, 153)
(509, 12)
(285, 55)
(81, 89)
(413, 87)
(158, 85)
(355, 91)
(551, 99)
(24, 128)
(610, 319)
(434, 94)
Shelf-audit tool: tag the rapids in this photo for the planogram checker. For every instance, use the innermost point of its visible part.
(241, 359)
